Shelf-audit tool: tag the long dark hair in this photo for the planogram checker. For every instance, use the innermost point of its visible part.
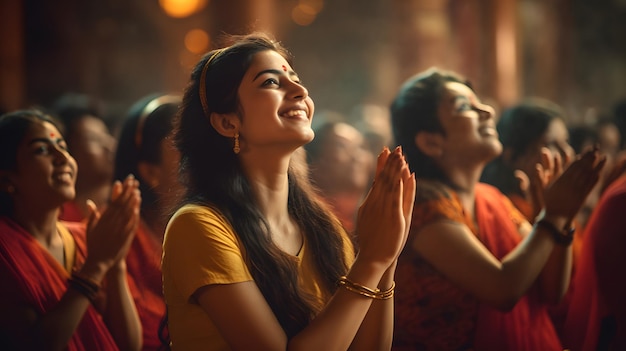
(13, 128)
(414, 110)
(148, 122)
(519, 127)
(213, 176)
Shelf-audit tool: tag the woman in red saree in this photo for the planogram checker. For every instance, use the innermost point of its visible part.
(596, 318)
(529, 131)
(61, 288)
(474, 274)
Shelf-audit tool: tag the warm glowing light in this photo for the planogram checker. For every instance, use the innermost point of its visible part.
(182, 8)
(303, 15)
(197, 41)
(315, 5)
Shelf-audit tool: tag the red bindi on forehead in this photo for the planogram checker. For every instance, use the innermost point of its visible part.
(52, 135)
(284, 68)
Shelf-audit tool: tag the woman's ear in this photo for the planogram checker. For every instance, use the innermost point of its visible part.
(431, 144)
(149, 173)
(227, 124)
(5, 183)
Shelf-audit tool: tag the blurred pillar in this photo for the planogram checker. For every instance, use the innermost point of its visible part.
(421, 34)
(241, 17)
(550, 47)
(489, 45)
(506, 51)
(468, 23)
(11, 55)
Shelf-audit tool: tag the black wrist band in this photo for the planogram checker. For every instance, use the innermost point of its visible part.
(562, 237)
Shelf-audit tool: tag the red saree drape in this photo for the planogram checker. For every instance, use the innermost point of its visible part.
(596, 318)
(31, 276)
(145, 283)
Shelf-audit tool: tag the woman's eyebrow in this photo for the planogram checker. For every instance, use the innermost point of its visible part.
(274, 71)
(37, 140)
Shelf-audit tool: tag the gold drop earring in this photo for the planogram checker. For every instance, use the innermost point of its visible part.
(236, 148)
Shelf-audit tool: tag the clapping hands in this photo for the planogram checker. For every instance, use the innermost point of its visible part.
(560, 186)
(110, 233)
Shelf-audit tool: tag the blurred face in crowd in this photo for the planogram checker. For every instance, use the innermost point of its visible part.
(555, 138)
(345, 163)
(94, 149)
(609, 139)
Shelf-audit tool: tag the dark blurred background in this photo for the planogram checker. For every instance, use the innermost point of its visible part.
(347, 52)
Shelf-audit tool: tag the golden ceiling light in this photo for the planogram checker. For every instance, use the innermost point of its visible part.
(182, 8)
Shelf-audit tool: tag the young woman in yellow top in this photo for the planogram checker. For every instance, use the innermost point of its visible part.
(252, 260)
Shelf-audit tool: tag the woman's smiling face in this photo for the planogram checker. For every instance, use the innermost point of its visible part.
(275, 107)
(45, 172)
(469, 125)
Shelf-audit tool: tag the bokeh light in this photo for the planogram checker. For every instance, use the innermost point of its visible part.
(315, 5)
(182, 8)
(303, 14)
(197, 41)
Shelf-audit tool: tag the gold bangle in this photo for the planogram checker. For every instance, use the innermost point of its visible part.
(360, 292)
(366, 291)
(344, 280)
(387, 294)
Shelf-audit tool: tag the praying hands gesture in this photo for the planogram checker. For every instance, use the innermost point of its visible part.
(384, 218)
(383, 224)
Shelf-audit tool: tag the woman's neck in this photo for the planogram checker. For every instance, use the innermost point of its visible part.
(464, 183)
(270, 185)
(269, 180)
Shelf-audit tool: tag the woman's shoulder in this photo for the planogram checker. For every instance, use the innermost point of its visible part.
(435, 201)
(193, 211)
(192, 219)
(483, 188)
(431, 190)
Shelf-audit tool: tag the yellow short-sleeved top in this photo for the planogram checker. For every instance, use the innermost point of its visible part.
(200, 248)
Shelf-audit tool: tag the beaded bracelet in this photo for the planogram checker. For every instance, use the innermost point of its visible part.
(85, 286)
(365, 291)
(562, 237)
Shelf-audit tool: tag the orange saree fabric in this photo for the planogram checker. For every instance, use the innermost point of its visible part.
(527, 326)
(144, 279)
(30, 276)
(557, 312)
(432, 313)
